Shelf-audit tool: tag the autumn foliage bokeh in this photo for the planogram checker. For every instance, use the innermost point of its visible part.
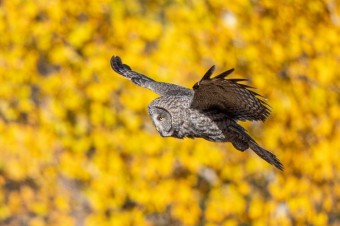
(78, 148)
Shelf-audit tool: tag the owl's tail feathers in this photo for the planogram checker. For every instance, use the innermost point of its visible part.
(266, 155)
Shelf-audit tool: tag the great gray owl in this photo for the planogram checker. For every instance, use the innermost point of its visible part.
(209, 110)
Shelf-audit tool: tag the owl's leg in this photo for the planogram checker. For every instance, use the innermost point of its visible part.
(238, 137)
(243, 141)
(240, 145)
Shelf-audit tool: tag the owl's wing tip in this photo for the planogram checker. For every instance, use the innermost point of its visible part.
(211, 70)
(208, 73)
(225, 74)
(117, 64)
(115, 61)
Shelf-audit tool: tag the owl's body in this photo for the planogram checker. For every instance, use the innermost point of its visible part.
(209, 111)
(187, 122)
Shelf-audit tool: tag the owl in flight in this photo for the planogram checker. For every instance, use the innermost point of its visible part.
(210, 110)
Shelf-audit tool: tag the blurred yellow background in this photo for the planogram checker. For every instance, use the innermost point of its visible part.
(78, 148)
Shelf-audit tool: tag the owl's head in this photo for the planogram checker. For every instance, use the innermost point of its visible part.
(162, 120)
(168, 114)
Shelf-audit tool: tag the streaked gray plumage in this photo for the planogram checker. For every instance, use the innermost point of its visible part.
(209, 110)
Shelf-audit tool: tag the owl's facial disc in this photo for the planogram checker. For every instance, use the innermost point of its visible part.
(162, 120)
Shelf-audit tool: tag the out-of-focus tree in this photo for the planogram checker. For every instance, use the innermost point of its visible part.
(78, 148)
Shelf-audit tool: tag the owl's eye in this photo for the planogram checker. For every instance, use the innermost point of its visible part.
(160, 118)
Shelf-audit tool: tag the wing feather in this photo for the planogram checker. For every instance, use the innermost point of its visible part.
(235, 99)
(160, 88)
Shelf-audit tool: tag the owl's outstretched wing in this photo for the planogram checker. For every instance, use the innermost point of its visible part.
(236, 100)
(160, 88)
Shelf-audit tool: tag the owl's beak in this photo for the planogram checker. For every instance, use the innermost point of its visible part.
(157, 128)
(161, 132)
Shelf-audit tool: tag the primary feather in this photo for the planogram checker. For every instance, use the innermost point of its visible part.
(235, 99)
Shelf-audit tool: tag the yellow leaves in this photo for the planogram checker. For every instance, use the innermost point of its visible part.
(80, 35)
(181, 212)
(74, 169)
(17, 157)
(99, 92)
(315, 6)
(66, 116)
(137, 99)
(63, 54)
(225, 202)
(62, 203)
(320, 219)
(17, 171)
(208, 154)
(323, 154)
(163, 165)
(256, 208)
(4, 212)
(40, 207)
(131, 121)
(134, 217)
(324, 69)
(153, 32)
(300, 206)
(37, 222)
(101, 114)
(14, 203)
